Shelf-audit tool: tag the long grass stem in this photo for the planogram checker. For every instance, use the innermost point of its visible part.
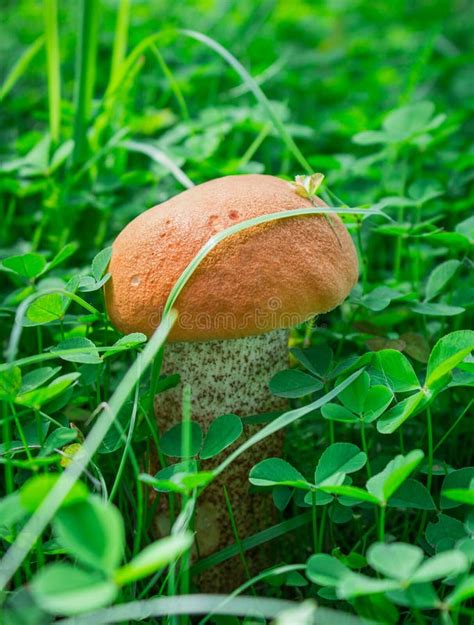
(86, 53)
(53, 68)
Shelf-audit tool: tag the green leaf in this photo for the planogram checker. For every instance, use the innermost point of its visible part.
(26, 265)
(396, 370)
(456, 480)
(281, 496)
(335, 412)
(437, 309)
(356, 585)
(222, 432)
(369, 137)
(445, 533)
(11, 513)
(460, 496)
(378, 608)
(412, 495)
(316, 359)
(293, 383)
(353, 396)
(168, 479)
(316, 498)
(446, 564)
(378, 299)
(100, 263)
(406, 121)
(65, 589)
(275, 471)
(396, 416)
(466, 228)
(396, 560)
(154, 557)
(448, 352)
(130, 341)
(10, 383)
(463, 592)
(40, 396)
(421, 596)
(377, 400)
(67, 251)
(353, 492)
(337, 459)
(439, 278)
(46, 308)
(37, 377)
(466, 546)
(35, 490)
(88, 284)
(89, 356)
(57, 439)
(325, 570)
(422, 190)
(171, 441)
(92, 532)
(385, 484)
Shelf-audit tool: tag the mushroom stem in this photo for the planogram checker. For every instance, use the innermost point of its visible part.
(226, 376)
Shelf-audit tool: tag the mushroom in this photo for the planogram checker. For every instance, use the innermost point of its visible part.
(234, 315)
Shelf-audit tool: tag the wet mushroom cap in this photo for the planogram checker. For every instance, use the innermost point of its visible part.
(274, 275)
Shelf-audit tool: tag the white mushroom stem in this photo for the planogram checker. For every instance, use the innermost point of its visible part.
(226, 376)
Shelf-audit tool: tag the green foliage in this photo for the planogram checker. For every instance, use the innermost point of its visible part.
(293, 383)
(104, 114)
(222, 432)
(93, 532)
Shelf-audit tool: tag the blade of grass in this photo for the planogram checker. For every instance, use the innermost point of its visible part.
(255, 89)
(278, 570)
(284, 421)
(269, 533)
(20, 67)
(50, 10)
(261, 219)
(86, 52)
(235, 532)
(174, 606)
(174, 86)
(120, 38)
(31, 360)
(127, 446)
(159, 157)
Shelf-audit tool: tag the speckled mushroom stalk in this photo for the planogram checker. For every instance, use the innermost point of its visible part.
(230, 336)
(226, 376)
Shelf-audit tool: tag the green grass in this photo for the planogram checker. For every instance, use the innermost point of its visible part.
(109, 108)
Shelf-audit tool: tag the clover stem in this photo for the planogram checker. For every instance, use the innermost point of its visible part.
(400, 239)
(382, 524)
(332, 437)
(322, 527)
(314, 521)
(7, 438)
(365, 448)
(360, 249)
(429, 423)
